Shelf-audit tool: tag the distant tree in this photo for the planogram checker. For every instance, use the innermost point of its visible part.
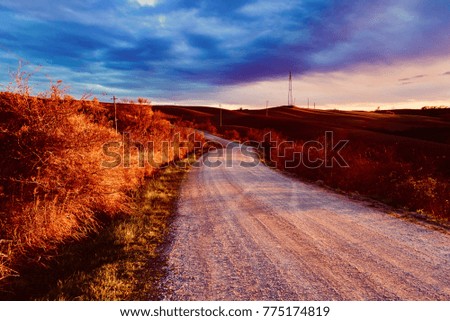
(143, 101)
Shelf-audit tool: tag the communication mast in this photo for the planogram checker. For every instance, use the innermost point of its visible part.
(290, 99)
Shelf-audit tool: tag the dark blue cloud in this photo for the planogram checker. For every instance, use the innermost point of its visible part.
(67, 44)
(208, 43)
(140, 55)
(345, 33)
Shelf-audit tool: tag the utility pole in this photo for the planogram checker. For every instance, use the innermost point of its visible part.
(290, 100)
(115, 112)
(314, 105)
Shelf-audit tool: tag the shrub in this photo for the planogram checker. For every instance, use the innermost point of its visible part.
(394, 174)
(53, 188)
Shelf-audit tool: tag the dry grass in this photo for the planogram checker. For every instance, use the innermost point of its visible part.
(402, 175)
(53, 187)
(123, 261)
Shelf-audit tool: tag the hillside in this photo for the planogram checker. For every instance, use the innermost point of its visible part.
(400, 157)
(426, 125)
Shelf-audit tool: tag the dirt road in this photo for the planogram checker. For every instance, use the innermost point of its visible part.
(255, 234)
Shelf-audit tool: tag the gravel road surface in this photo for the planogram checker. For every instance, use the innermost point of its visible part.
(255, 234)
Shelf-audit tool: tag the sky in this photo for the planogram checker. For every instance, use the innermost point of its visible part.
(343, 54)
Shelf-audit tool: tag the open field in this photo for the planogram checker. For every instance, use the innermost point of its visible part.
(300, 123)
(399, 157)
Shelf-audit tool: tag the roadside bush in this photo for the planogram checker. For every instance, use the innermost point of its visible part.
(52, 184)
(394, 174)
(53, 187)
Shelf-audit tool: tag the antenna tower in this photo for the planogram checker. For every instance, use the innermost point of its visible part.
(290, 99)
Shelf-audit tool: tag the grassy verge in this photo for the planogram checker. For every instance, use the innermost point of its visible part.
(123, 261)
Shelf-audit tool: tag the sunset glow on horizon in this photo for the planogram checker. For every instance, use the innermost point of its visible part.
(345, 54)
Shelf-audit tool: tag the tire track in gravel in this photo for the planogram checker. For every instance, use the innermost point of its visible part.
(255, 234)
